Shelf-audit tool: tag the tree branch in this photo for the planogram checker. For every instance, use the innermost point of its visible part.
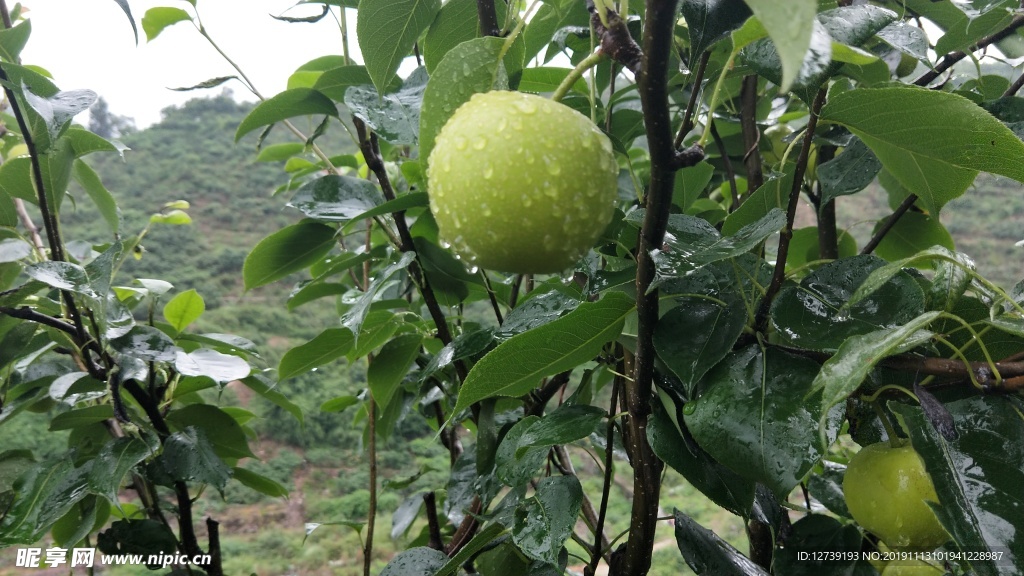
(751, 134)
(691, 106)
(761, 321)
(947, 61)
(615, 38)
(488, 18)
(907, 203)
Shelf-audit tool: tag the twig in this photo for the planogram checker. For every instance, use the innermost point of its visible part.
(890, 222)
(786, 235)
(691, 106)
(751, 134)
(26, 313)
(371, 514)
(609, 464)
(1015, 87)
(952, 58)
(216, 568)
(730, 174)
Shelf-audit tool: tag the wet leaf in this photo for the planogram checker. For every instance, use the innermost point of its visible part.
(517, 365)
(977, 477)
(387, 31)
(752, 417)
(328, 346)
(287, 251)
(219, 367)
(545, 521)
(415, 562)
(706, 553)
(395, 116)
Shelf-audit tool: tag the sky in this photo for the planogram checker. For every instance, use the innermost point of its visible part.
(89, 44)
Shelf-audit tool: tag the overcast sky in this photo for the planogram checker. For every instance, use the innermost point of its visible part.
(89, 44)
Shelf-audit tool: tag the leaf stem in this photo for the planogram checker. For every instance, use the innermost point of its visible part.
(576, 73)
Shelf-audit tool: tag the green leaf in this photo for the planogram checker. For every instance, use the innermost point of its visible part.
(262, 386)
(287, 251)
(184, 309)
(976, 476)
(189, 456)
(936, 255)
(933, 142)
(416, 562)
(396, 116)
(146, 343)
(544, 522)
(677, 448)
(692, 337)
(224, 433)
(841, 374)
(752, 417)
(222, 368)
(128, 12)
(328, 346)
(971, 28)
(339, 404)
(104, 200)
(280, 152)
(849, 172)
(482, 539)
(708, 21)
(259, 482)
(355, 315)
(13, 40)
(817, 314)
(694, 243)
(335, 82)
(690, 183)
(471, 67)
(334, 198)
(517, 465)
(516, 366)
(790, 25)
(42, 495)
(390, 366)
(113, 463)
(906, 38)
(387, 31)
(287, 104)
(706, 553)
(80, 417)
(567, 423)
(55, 113)
(454, 24)
(155, 20)
(399, 204)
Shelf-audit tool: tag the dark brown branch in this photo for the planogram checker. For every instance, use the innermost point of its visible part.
(691, 106)
(370, 148)
(1015, 87)
(730, 174)
(464, 533)
(828, 235)
(947, 61)
(889, 223)
(751, 134)
(652, 81)
(433, 526)
(488, 18)
(786, 235)
(537, 399)
(371, 514)
(216, 568)
(26, 313)
(616, 40)
(609, 464)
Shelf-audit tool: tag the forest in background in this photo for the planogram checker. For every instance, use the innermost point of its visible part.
(190, 155)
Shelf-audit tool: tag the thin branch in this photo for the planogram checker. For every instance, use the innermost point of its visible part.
(371, 514)
(26, 313)
(751, 134)
(370, 148)
(890, 222)
(730, 174)
(691, 106)
(947, 61)
(216, 568)
(609, 466)
(1015, 87)
(779, 274)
